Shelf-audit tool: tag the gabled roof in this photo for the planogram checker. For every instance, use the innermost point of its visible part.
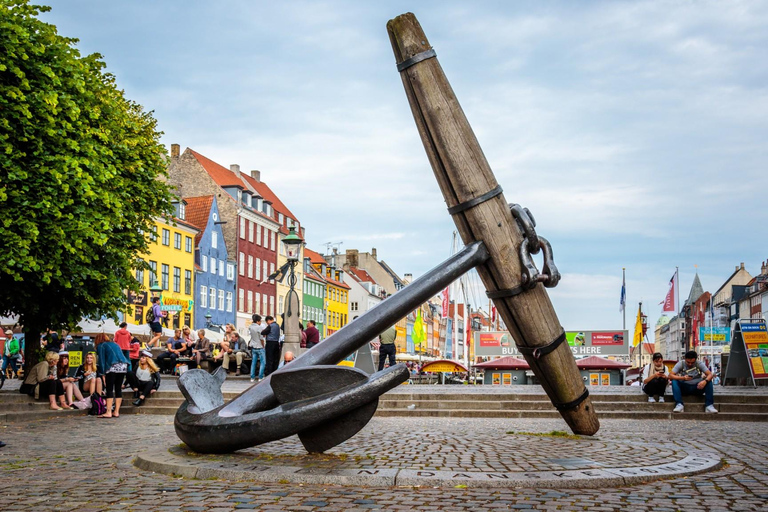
(314, 257)
(596, 362)
(361, 275)
(311, 273)
(265, 192)
(220, 174)
(198, 212)
(391, 272)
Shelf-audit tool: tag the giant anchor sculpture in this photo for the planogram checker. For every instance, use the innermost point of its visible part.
(326, 404)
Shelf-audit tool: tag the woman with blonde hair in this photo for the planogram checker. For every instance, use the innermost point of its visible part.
(88, 376)
(145, 380)
(44, 373)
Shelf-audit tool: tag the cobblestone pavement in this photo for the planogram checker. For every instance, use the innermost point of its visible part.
(84, 464)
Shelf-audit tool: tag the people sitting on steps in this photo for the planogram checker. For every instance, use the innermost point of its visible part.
(655, 378)
(44, 374)
(201, 350)
(145, 380)
(70, 384)
(175, 348)
(692, 377)
(90, 380)
(237, 349)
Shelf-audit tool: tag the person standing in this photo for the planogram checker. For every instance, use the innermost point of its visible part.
(52, 341)
(387, 347)
(114, 365)
(655, 378)
(123, 339)
(11, 349)
(313, 335)
(272, 346)
(256, 344)
(154, 316)
(692, 377)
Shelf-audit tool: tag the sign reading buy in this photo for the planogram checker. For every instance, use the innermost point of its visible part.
(582, 343)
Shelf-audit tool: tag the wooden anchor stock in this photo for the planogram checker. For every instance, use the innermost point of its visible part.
(464, 175)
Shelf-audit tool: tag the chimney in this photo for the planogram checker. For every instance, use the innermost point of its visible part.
(373, 253)
(256, 175)
(407, 277)
(175, 150)
(352, 258)
(235, 168)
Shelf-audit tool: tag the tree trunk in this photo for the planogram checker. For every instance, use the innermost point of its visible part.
(463, 174)
(31, 346)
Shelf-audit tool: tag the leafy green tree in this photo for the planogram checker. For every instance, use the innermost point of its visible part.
(81, 178)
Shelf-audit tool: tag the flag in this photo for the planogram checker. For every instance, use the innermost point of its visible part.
(446, 302)
(669, 301)
(418, 331)
(279, 274)
(638, 328)
(623, 299)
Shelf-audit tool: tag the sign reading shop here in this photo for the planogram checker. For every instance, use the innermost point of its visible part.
(582, 343)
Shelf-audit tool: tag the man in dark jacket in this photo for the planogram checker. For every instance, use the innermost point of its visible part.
(313, 335)
(272, 346)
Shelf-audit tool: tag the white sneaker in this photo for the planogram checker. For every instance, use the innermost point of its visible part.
(661, 399)
(678, 408)
(253, 380)
(711, 409)
(651, 400)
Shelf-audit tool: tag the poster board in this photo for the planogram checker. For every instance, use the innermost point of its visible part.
(594, 379)
(748, 358)
(507, 379)
(605, 379)
(496, 379)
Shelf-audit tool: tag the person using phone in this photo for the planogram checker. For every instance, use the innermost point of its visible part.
(655, 378)
(692, 377)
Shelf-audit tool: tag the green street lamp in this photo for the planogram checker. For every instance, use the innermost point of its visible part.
(292, 245)
(155, 289)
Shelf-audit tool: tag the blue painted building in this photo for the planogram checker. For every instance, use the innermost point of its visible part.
(215, 272)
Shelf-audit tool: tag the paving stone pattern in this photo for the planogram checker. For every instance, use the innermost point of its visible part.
(84, 464)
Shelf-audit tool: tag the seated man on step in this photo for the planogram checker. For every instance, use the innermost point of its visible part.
(692, 377)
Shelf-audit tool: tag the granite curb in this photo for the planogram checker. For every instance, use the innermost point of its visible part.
(167, 463)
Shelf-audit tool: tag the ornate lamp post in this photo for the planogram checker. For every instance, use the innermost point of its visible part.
(291, 319)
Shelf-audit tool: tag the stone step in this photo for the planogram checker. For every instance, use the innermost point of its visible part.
(547, 405)
(629, 397)
(552, 414)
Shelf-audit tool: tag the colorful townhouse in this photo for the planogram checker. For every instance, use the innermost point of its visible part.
(337, 292)
(215, 282)
(252, 219)
(314, 293)
(172, 262)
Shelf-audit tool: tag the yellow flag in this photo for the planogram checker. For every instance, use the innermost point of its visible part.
(638, 329)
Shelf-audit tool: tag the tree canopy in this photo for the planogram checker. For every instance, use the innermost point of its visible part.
(81, 177)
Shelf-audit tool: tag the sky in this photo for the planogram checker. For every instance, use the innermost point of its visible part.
(635, 132)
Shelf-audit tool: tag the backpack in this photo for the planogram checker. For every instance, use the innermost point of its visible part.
(150, 316)
(98, 405)
(13, 347)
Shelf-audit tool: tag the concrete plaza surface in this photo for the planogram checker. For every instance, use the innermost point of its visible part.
(84, 463)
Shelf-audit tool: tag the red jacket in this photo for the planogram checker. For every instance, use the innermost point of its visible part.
(123, 339)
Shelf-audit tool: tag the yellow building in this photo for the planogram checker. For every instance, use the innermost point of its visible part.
(337, 302)
(172, 258)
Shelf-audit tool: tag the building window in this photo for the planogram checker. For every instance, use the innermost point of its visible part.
(153, 234)
(229, 302)
(221, 268)
(250, 232)
(140, 276)
(164, 276)
(242, 228)
(250, 267)
(177, 241)
(152, 273)
(182, 210)
(264, 308)
(258, 269)
(249, 304)
(215, 240)
(213, 266)
(272, 305)
(166, 237)
(242, 264)
(230, 272)
(204, 263)
(212, 297)
(188, 282)
(176, 279)
(258, 234)
(240, 295)
(203, 296)
(272, 270)
(266, 269)
(188, 243)
(266, 238)
(221, 300)
(353, 306)
(257, 303)
(272, 241)
(280, 305)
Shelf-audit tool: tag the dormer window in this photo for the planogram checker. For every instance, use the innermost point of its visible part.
(183, 210)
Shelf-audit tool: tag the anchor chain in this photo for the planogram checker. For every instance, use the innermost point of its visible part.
(532, 243)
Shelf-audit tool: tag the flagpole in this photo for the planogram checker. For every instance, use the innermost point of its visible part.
(624, 287)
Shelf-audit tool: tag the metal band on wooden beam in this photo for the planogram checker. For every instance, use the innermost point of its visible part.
(537, 352)
(573, 404)
(416, 59)
(466, 205)
(509, 292)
